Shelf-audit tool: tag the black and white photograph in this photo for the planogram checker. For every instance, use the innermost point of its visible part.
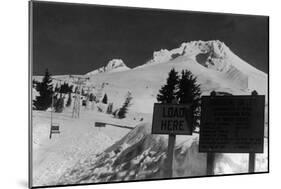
(121, 94)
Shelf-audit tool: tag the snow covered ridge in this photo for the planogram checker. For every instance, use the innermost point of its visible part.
(212, 54)
(215, 49)
(114, 65)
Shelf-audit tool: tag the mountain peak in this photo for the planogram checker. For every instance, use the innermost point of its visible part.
(213, 54)
(215, 48)
(114, 65)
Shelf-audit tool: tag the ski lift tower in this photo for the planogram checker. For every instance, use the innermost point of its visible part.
(79, 81)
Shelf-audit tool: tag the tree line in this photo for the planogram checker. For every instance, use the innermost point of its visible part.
(49, 94)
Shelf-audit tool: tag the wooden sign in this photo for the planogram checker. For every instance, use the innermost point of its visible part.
(232, 124)
(55, 128)
(172, 119)
(99, 124)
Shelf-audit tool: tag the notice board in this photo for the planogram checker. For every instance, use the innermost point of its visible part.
(232, 124)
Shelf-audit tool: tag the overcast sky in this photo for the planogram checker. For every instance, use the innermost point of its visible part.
(76, 39)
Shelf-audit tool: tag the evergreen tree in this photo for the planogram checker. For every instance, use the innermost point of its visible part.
(76, 89)
(34, 83)
(57, 88)
(70, 88)
(109, 108)
(65, 88)
(83, 92)
(104, 100)
(62, 88)
(91, 97)
(59, 105)
(124, 109)
(189, 93)
(168, 91)
(45, 89)
(69, 100)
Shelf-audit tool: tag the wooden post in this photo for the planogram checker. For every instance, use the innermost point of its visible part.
(170, 152)
(170, 155)
(211, 155)
(252, 156)
(210, 163)
(252, 159)
(52, 107)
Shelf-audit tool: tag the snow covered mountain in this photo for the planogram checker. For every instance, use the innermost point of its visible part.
(114, 65)
(212, 62)
(214, 55)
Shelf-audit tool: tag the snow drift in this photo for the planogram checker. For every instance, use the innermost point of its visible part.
(137, 156)
(140, 155)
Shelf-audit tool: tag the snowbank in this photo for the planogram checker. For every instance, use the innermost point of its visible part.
(140, 155)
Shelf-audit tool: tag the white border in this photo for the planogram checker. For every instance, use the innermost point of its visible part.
(14, 92)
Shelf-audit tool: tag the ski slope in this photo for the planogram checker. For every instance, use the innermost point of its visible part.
(79, 138)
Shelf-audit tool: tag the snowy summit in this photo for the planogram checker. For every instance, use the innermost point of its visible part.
(216, 57)
(212, 54)
(114, 65)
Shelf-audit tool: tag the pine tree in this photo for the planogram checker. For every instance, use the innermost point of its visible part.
(45, 89)
(124, 109)
(91, 97)
(66, 88)
(189, 93)
(59, 105)
(34, 83)
(168, 91)
(69, 100)
(109, 108)
(104, 100)
(57, 88)
(70, 88)
(62, 88)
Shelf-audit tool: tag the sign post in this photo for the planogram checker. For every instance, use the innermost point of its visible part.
(232, 124)
(55, 128)
(252, 159)
(252, 156)
(210, 163)
(170, 154)
(172, 119)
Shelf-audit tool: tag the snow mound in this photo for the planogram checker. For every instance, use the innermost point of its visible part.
(114, 65)
(138, 155)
